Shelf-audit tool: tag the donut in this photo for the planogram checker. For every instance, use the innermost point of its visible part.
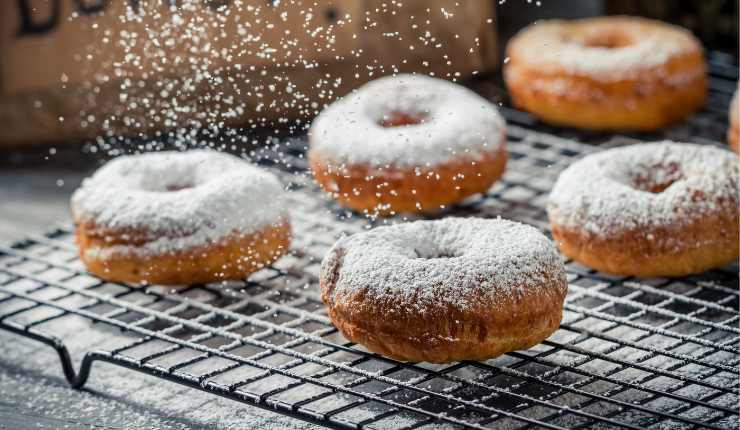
(407, 143)
(733, 133)
(660, 209)
(179, 218)
(445, 290)
(615, 73)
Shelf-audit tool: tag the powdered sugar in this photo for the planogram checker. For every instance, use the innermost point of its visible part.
(564, 45)
(457, 262)
(454, 121)
(179, 200)
(610, 190)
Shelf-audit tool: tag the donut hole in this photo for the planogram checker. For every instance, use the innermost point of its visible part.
(432, 253)
(398, 119)
(605, 40)
(659, 179)
(656, 188)
(171, 188)
(164, 182)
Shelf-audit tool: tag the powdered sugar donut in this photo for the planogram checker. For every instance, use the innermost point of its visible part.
(446, 290)
(658, 209)
(606, 73)
(407, 143)
(179, 218)
(733, 133)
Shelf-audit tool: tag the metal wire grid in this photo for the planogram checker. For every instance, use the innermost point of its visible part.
(630, 353)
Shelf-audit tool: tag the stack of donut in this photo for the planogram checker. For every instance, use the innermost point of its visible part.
(451, 289)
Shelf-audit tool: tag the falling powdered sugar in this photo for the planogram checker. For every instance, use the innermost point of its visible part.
(457, 262)
(643, 185)
(178, 200)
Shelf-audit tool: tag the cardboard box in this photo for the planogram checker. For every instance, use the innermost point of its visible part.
(72, 69)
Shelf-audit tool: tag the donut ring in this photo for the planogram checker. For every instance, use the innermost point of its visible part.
(618, 73)
(657, 209)
(179, 218)
(407, 144)
(446, 290)
(733, 133)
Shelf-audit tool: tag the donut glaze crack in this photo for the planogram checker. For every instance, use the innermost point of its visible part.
(651, 209)
(446, 290)
(179, 218)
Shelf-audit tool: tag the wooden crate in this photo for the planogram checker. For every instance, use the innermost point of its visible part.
(73, 70)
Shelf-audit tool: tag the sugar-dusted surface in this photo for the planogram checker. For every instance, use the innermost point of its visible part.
(454, 122)
(456, 262)
(611, 190)
(179, 200)
(567, 46)
(34, 395)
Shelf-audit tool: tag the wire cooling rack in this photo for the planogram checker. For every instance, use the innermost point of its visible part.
(630, 353)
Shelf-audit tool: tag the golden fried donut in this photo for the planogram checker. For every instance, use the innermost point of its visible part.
(179, 218)
(447, 290)
(619, 73)
(652, 209)
(407, 144)
(733, 133)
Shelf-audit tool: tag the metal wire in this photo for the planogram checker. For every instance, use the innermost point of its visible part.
(630, 353)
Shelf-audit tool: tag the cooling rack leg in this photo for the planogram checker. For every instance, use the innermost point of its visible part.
(76, 380)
